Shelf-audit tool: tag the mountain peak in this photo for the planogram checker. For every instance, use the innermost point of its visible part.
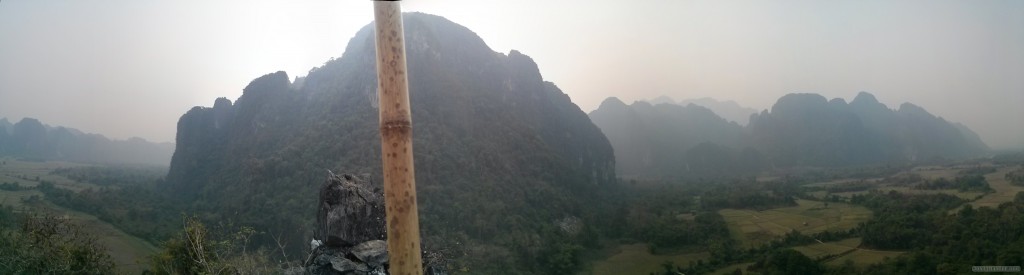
(864, 98)
(911, 109)
(221, 103)
(798, 102)
(612, 102)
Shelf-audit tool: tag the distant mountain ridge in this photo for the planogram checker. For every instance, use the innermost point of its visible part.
(799, 130)
(30, 138)
(809, 130)
(728, 109)
(659, 140)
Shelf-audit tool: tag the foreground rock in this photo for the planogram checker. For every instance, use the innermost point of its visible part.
(350, 212)
(349, 235)
(366, 258)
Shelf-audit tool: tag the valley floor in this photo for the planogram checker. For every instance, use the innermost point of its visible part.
(128, 252)
(756, 228)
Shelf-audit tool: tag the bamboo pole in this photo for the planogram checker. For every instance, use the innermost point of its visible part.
(403, 225)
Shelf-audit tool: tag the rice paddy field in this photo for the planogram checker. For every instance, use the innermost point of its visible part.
(864, 257)
(637, 259)
(752, 228)
(730, 269)
(820, 250)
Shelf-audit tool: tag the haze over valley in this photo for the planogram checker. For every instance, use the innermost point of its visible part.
(682, 137)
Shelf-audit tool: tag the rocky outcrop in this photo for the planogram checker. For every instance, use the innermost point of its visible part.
(350, 235)
(369, 257)
(350, 212)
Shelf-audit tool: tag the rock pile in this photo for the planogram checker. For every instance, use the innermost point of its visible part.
(369, 257)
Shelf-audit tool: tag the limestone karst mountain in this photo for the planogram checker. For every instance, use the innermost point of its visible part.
(657, 141)
(498, 150)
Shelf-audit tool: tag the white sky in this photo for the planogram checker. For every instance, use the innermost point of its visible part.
(131, 68)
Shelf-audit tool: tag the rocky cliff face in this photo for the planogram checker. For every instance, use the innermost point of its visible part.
(492, 139)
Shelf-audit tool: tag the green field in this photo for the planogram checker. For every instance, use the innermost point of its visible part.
(636, 259)
(1004, 191)
(967, 195)
(842, 182)
(729, 269)
(819, 250)
(935, 172)
(30, 173)
(847, 249)
(753, 228)
(864, 257)
(126, 250)
(14, 198)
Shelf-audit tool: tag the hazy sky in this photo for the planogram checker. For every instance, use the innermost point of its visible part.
(132, 68)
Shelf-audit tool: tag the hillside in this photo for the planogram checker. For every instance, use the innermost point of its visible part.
(31, 139)
(500, 153)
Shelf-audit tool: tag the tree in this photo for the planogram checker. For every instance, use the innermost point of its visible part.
(51, 245)
(787, 261)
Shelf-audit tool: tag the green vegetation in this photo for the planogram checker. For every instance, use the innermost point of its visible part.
(829, 249)
(78, 209)
(1016, 177)
(896, 224)
(755, 228)
(1004, 190)
(637, 259)
(138, 210)
(862, 258)
(786, 261)
(44, 244)
(969, 182)
(940, 243)
(902, 221)
(199, 250)
(113, 175)
(738, 195)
